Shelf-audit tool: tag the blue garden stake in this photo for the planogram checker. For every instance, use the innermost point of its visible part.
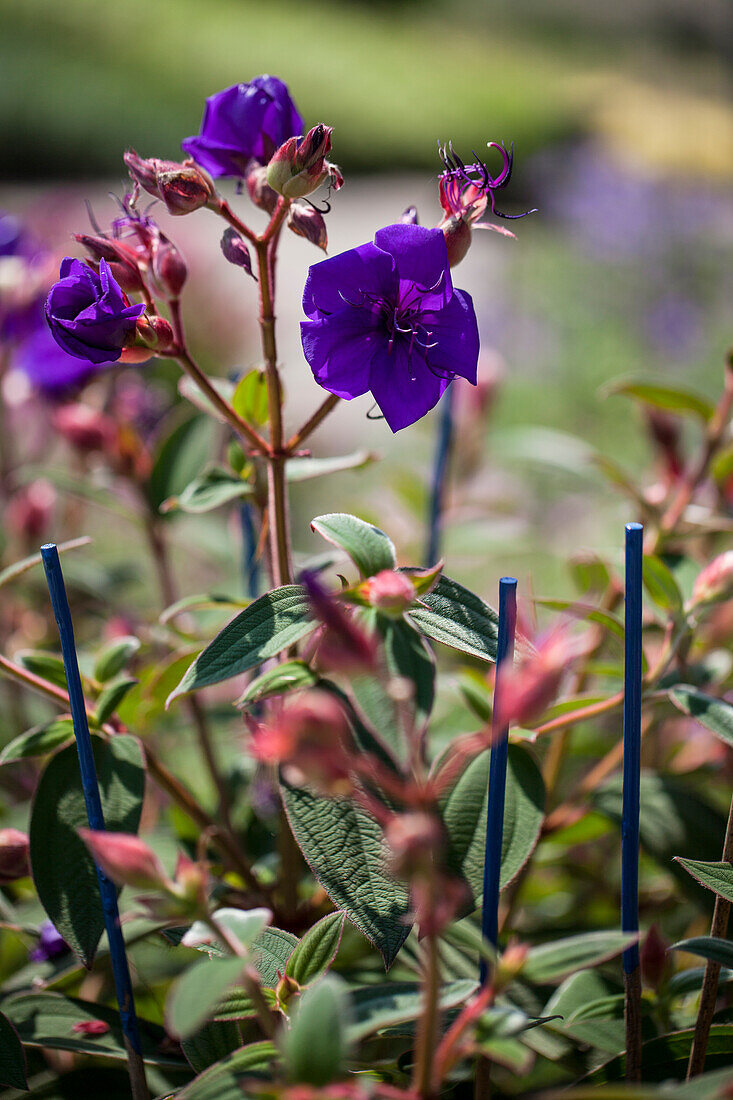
(497, 772)
(95, 816)
(250, 565)
(630, 808)
(440, 470)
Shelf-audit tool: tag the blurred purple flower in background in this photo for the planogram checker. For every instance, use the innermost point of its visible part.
(48, 367)
(244, 123)
(88, 314)
(385, 317)
(51, 944)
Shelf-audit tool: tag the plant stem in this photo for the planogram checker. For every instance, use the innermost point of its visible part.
(632, 1023)
(439, 478)
(183, 356)
(709, 995)
(427, 1028)
(312, 423)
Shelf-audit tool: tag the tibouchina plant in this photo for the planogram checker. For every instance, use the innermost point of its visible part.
(304, 847)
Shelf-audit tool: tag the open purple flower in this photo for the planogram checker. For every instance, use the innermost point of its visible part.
(51, 944)
(88, 314)
(243, 123)
(385, 317)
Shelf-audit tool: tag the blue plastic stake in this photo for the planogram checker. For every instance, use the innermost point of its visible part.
(631, 783)
(440, 471)
(250, 565)
(497, 772)
(95, 816)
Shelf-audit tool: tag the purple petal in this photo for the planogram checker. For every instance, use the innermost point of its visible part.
(346, 279)
(403, 386)
(339, 349)
(421, 258)
(454, 330)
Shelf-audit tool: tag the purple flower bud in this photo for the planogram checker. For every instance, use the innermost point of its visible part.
(308, 222)
(244, 123)
(236, 252)
(88, 314)
(299, 165)
(409, 216)
(121, 257)
(51, 944)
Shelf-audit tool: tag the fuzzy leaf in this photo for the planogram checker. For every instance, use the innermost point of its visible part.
(715, 714)
(718, 877)
(287, 676)
(222, 1080)
(456, 617)
(708, 947)
(551, 961)
(369, 548)
(379, 1006)
(12, 1058)
(197, 992)
(317, 949)
(38, 741)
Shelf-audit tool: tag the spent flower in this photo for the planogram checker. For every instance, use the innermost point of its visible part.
(385, 317)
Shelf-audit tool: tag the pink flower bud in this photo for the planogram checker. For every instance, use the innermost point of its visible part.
(258, 190)
(299, 165)
(14, 862)
(715, 582)
(30, 509)
(390, 592)
(414, 841)
(528, 688)
(310, 740)
(121, 257)
(125, 859)
(169, 267)
(308, 222)
(85, 428)
(153, 333)
(91, 1027)
(343, 645)
(236, 252)
(457, 233)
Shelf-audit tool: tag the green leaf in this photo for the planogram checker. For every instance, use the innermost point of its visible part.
(114, 657)
(236, 1004)
(268, 626)
(587, 985)
(369, 548)
(464, 809)
(690, 981)
(405, 656)
(612, 623)
(180, 458)
(12, 1058)
(475, 691)
(47, 1020)
(222, 1081)
(717, 877)
(708, 947)
(708, 1086)
(110, 699)
(287, 676)
(673, 818)
(18, 568)
(316, 1045)
(343, 845)
(210, 489)
(270, 953)
(672, 399)
(195, 995)
(63, 870)
(46, 665)
(38, 741)
(551, 961)
(660, 584)
(249, 399)
(456, 617)
(375, 1007)
(303, 469)
(210, 1044)
(665, 1058)
(604, 1008)
(317, 949)
(715, 714)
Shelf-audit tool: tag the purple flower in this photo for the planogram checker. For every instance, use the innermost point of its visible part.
(385, 317)
(243, 123)
(51, 944)
(88, 314)
(51, 369)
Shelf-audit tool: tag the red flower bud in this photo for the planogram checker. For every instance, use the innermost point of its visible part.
(259, 192)
(308, 222)
(414, 841)
(30, 509)
(91, 1027)
(85, 428)
(527, 689)
(654, 958)
(125, 859)
(121, 257)
(183, 187)
(153, 333)
(14, 862)
(169, 267)
(310, 740)
(299, 165)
